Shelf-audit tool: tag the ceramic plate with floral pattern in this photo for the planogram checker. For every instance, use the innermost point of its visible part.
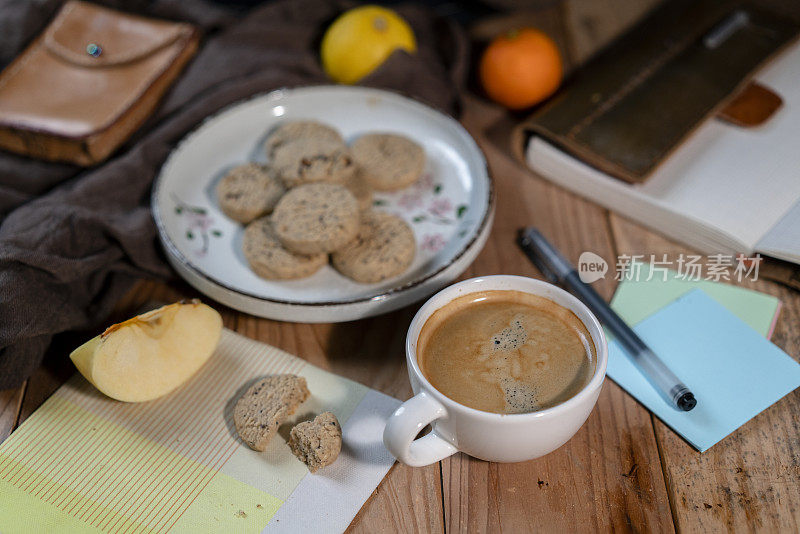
(450, 208)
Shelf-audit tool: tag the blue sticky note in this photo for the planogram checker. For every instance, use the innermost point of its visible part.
(733, 371)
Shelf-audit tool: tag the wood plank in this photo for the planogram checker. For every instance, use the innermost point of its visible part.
(408, 500)
(749, 481)
(608, 476)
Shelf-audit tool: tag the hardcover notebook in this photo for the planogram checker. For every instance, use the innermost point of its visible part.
(647, 145)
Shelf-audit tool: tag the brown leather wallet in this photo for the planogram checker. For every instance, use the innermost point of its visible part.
(88, 82)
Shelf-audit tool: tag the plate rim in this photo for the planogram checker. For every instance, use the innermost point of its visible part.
(172, 249)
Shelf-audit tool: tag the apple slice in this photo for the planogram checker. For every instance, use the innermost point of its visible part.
(148, 356)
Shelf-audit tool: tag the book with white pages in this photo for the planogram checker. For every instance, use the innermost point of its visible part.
(725, 189)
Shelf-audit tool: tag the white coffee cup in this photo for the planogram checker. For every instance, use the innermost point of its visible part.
(488, 436)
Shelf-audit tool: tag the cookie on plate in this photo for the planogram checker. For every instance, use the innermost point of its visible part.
(316, 218)
(249, 191)
(265, 406)
(358, 186)
(388, 161)
(269, 259)
(290, 131)
(311, 160)
(384, 248)
(317, 443)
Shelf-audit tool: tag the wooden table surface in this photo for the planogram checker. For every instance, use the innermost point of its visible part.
(624, 470)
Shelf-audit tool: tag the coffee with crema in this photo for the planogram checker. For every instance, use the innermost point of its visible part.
(506, 352)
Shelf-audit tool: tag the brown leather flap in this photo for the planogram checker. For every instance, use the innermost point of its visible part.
(122, 38)
(753, 106)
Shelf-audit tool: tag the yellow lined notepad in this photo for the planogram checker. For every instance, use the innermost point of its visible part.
(86, 463)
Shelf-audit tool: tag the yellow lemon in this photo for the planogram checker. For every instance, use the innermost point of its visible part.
(361, 39)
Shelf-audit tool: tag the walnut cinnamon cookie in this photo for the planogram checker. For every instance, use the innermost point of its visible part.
(269, 259)
(388, 161)
(316, 218)
(290, 131)
(317, 443)
(265, 406)
(309, 160)
(384, 248)
(358, 186)
(249, 191)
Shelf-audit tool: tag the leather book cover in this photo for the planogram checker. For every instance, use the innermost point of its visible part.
(641, 96)
(88, 82)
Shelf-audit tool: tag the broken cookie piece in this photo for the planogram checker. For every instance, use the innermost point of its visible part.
(317, 443)
(266, 406)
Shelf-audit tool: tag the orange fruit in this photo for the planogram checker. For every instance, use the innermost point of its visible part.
(521, 68)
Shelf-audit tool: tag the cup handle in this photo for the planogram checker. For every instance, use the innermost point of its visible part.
(404, 425)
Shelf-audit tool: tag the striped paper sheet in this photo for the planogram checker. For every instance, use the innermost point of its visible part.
(86, 463)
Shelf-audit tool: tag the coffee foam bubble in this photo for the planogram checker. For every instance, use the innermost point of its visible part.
(519, 397)
(511, 337)
(506, 360)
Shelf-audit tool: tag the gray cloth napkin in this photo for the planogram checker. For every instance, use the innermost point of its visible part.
(73, 241)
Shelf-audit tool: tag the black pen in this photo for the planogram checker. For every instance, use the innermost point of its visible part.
(559, 271)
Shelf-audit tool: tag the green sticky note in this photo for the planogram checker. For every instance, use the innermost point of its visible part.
(639, 298)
